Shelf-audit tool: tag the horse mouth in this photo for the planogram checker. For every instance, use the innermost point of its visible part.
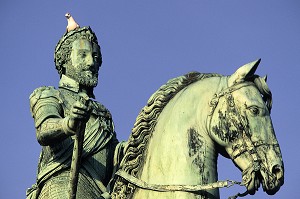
(272, 182)
(253, 182)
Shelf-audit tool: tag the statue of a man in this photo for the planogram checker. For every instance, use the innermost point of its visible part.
(58, 114)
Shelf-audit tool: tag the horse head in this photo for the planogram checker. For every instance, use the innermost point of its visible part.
(240, 123)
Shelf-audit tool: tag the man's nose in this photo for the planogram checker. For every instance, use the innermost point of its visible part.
(89, 60)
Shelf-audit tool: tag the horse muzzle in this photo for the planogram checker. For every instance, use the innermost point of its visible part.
(272, 181)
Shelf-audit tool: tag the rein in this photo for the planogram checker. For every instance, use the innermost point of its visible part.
(227, 93)
(239, 148)
(166, 188)
(191, 188)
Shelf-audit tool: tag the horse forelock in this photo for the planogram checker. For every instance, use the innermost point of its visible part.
(146, 121)
(264, 90)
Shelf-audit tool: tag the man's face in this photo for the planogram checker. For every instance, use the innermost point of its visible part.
(84, 64)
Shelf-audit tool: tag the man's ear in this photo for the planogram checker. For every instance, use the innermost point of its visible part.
(243, 73)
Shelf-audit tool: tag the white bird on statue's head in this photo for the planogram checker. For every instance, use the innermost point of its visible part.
(72, 25)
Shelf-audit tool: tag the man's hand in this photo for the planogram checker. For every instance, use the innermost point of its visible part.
(80, 112)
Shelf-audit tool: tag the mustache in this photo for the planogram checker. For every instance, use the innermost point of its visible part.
(85, 68)
(84, 74)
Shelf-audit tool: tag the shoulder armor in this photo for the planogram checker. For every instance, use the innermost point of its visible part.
(42, 93)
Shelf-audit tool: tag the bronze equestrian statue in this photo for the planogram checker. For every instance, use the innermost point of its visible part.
(173, 148)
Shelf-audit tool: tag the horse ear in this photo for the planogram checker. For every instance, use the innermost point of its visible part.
(265, 78)
(243, 73)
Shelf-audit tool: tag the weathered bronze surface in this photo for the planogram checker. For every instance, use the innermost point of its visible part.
(173, 148)
(72, 128)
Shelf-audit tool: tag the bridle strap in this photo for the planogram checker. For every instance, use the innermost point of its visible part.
(233, 88)
(215, 100)
(167, 188)
(247, 144)
(191, 188)
(240, 149)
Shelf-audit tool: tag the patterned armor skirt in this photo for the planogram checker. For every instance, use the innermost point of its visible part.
(57, 187)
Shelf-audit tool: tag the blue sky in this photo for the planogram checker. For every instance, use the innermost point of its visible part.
(144, 44)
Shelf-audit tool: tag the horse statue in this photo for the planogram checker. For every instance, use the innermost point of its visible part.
(173, 148)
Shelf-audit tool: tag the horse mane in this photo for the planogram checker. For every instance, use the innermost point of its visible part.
(136, 148)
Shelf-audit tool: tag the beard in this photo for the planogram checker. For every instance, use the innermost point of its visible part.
(84, 77)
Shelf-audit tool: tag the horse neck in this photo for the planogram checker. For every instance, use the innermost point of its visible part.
(180, 150)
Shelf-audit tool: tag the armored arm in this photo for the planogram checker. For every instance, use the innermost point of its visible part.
(51, 126)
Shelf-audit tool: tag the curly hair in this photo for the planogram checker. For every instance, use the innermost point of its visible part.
(64, 46)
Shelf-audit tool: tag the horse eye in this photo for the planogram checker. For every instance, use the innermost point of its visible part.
(254, 110)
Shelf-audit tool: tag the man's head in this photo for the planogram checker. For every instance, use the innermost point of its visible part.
(78, 56)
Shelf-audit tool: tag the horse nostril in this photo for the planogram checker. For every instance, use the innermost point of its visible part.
(278, 171)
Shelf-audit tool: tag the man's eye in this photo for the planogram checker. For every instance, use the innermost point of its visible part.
(81, 54)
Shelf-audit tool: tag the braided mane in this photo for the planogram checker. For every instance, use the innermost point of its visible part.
(136, 148)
